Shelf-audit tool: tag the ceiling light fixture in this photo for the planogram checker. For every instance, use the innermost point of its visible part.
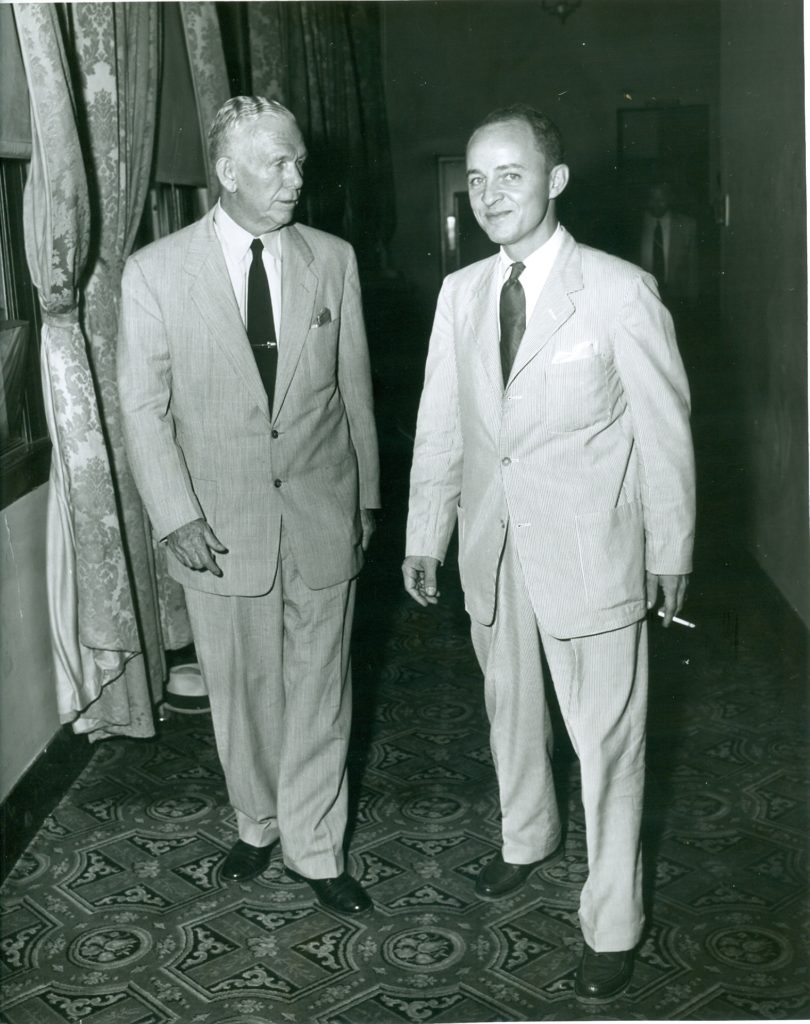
(562, 8)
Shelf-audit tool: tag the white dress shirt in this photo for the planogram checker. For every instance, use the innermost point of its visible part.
(235, 242)
(537, 269)
(648, 231)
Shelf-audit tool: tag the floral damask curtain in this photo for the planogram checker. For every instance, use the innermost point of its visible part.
(85, 191)
(118, 44)
(324, 62)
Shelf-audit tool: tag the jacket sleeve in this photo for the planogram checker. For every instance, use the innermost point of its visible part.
(436, 470)
(657, 394)
(145, 389)
(354, 380)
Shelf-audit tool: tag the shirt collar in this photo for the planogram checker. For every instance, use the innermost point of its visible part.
(538, 261)
(236, 241)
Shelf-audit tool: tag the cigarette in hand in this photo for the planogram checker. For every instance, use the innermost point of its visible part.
(681, 622)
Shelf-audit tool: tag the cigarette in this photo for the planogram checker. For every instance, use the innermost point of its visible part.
(681, 622)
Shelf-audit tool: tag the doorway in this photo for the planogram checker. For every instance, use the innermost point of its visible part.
(668, 144)
(463, 241)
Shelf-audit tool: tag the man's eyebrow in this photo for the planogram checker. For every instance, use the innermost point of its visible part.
(500, 167)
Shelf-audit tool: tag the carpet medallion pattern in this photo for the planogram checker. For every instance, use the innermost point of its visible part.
(116, 913)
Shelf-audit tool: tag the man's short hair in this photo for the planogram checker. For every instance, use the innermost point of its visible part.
(233, 112)
(546, 134)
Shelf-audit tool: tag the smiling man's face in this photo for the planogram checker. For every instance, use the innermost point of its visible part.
(511, 189)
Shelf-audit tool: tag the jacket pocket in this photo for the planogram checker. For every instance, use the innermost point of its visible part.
(322, 354)
(611, 552)
(576, 394)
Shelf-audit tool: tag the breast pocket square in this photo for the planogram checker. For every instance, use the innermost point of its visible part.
(324, 317)
(584, 350)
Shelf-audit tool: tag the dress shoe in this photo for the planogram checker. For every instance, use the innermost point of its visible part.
(499, 878)
(245, 861)
(343, 894)
(603, 975)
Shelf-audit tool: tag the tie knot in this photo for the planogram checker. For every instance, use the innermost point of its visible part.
(515, 271)
(256, 247)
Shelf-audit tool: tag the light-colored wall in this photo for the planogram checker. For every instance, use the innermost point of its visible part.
(28, 714)
(447, 64)
(765, 277)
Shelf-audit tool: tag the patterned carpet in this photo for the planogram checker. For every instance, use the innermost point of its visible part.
(116, 915)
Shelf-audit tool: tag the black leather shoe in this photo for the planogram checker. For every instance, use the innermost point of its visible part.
(499, 878)
(245, 861)
(344, 894)
(603, 975)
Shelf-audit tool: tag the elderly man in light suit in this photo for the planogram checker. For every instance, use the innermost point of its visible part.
(245, 388)
(554, 426)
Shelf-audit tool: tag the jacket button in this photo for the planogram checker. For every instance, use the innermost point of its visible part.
(506, 461)
(274, 433)
(276, 483)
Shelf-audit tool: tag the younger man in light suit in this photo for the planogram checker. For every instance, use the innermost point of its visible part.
(554, 426)
(246, 395)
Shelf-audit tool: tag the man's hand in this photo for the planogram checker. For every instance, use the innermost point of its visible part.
(674, 590)
(419, 574)
(194, 544)
(368, 522)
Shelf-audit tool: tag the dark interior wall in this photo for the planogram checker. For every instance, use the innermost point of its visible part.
(765, 277)
(447, 64)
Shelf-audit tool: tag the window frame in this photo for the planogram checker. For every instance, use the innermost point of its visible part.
(26, 464)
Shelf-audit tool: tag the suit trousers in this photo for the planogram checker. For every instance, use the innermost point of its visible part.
(278, 676)
(601, 686)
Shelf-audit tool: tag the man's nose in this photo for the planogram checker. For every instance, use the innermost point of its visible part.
(490, 195)
(295, 178)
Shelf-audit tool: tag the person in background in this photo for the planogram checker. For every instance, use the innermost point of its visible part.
(668, 249)
(246, 396)
(554, 428)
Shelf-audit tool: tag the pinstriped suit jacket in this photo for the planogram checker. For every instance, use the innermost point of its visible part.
(199, 434)
(586, 455)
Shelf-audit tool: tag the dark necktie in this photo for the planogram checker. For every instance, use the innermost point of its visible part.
(260, 327)
(659, 266)
(513, 318)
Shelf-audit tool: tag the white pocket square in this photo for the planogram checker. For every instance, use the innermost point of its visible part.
(324, 317)
(584, 350)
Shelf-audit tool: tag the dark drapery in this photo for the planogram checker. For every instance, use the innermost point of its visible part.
(323, 61)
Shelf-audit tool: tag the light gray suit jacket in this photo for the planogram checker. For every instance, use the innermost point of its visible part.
(196, 417)
(586, 456)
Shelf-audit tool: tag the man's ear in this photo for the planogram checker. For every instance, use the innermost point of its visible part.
(557, 180)
(225, 173)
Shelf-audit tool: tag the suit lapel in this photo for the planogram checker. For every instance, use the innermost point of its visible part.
(212, 294)
(554, 306)
(482, 318)
(298, 288)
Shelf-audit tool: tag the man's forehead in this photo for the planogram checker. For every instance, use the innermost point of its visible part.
(509, 142)
(271, 130)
